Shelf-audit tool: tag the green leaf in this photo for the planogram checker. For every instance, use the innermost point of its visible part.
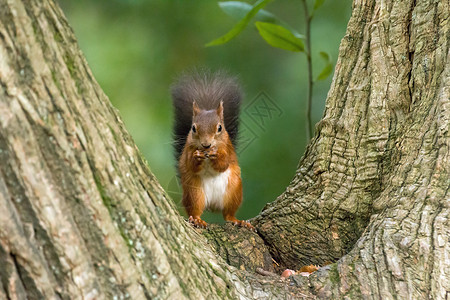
(326, 71)
(318, 3)
(325, 56)
(280, 37)
(240, 25)
(238, 10)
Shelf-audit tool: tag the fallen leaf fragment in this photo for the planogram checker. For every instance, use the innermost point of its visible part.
(309, 269)
(286, 273)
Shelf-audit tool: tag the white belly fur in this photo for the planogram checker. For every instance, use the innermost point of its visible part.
(214, 188)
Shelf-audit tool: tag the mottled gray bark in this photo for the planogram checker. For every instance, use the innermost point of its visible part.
(83, 217)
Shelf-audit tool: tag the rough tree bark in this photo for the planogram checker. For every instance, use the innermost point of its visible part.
(83, 217)
(372, 191)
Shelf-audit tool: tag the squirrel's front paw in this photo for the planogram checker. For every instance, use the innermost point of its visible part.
(199, 155)
(212, 153)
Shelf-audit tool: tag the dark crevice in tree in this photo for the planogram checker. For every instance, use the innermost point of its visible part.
(5, 272)
(32, 292)
(410, 51)
(150, 197)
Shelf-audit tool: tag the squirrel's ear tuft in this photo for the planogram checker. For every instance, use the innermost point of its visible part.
(220, 110)
(195, 108)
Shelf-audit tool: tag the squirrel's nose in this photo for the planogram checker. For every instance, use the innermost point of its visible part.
(206, 146)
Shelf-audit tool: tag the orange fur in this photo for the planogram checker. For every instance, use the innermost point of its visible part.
(221, 157)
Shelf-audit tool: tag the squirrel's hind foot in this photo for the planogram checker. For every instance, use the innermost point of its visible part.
(245, 224)
(197, 222)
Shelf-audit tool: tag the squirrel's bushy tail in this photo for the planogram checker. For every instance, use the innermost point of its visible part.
(207, 89)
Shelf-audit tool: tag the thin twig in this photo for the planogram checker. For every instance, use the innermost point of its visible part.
(309, 132)
(275, 262)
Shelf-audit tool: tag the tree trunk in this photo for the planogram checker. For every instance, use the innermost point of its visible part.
(373, 186)
(83, 217)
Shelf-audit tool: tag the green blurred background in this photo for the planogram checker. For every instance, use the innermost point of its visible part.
(136, 48)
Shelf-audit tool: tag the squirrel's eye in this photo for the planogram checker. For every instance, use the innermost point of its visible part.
(194, 129)
(219, 129)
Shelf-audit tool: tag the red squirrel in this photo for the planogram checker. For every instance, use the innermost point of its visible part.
(206, 126)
